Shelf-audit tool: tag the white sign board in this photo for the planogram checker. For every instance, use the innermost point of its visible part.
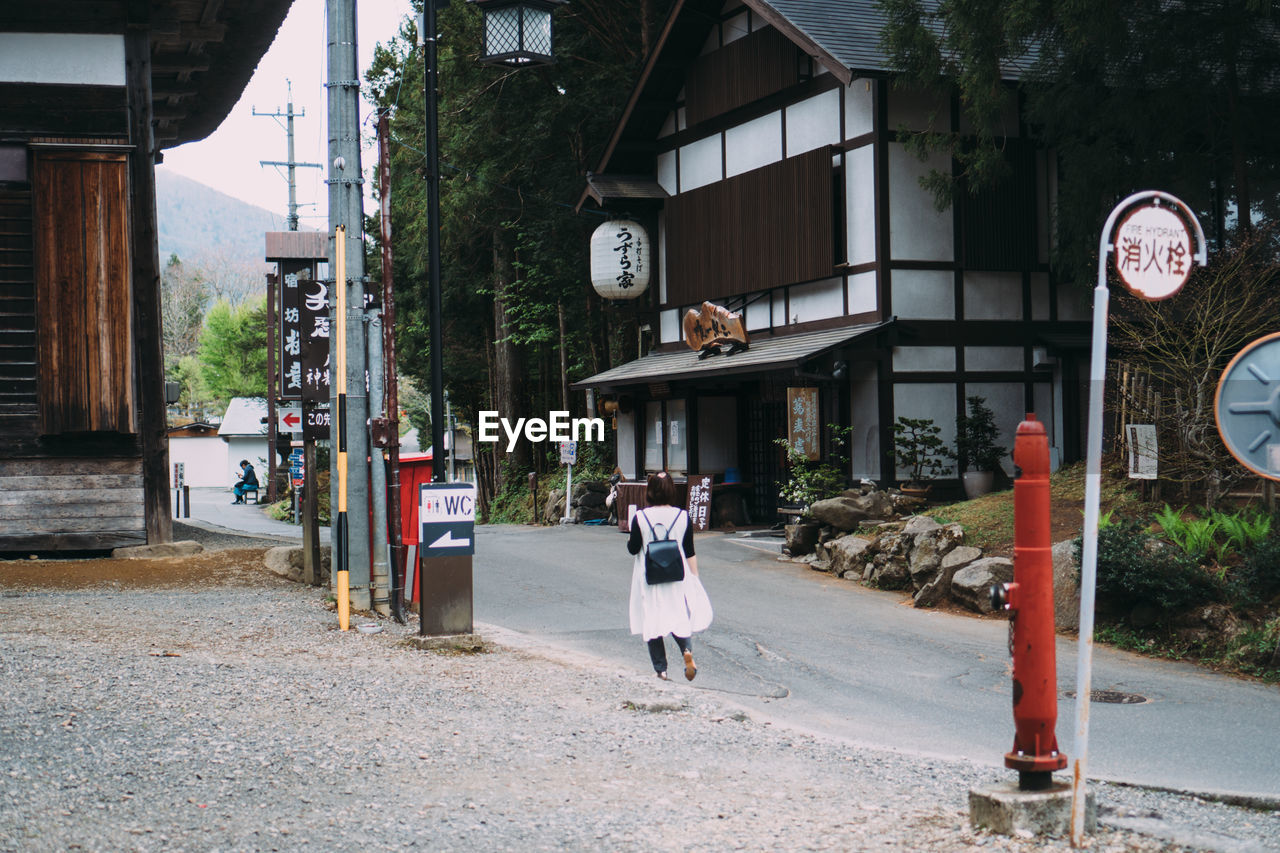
(289, 418)
(568, 453)
(1143, 455)
(446, 519)
(1153, 252)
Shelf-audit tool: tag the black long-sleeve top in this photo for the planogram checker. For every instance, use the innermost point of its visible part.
(636, 541)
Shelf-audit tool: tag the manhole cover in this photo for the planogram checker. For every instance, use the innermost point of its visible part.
(1111, 697)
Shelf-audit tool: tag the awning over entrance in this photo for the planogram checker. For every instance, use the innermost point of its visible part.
(764, 355)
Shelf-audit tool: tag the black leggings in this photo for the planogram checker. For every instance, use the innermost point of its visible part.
(658, 650)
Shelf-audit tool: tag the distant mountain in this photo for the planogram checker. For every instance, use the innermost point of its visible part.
(200, 224)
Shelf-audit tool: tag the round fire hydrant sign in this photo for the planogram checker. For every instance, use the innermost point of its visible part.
(1153, 252)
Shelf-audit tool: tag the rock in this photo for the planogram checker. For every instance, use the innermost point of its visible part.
(800, 539)
(820, 551)
(554, 508)
(285, 561)
(890, 561)
(971, 586)
(1066, 586)
(184, 548)
(589, 513)
(939, 586)
(848, 553)
(842, 513)
(917, 524)
(591, 499)
(927, 550)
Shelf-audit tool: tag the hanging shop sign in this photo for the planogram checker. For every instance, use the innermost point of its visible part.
(620, 259)
(714, 326)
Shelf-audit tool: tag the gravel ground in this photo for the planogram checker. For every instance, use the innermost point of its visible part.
(221, 709)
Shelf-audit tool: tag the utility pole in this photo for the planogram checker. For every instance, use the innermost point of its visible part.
(346, 209)
(288, 115)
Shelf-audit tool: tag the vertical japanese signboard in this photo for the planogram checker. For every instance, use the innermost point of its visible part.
(700, 501)
(802, 422)
(290, 339)
(313, 314)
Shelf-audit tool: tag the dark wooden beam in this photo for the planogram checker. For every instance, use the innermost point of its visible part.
(54, 110)
(146, 289)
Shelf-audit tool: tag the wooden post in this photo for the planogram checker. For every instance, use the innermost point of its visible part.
(146, 284)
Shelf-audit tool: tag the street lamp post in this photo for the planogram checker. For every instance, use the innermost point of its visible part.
(518, 33)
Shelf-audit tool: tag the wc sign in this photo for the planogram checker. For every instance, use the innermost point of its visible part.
(446, 519)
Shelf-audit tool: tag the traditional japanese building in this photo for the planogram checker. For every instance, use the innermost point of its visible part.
(761, 148)
(91, 93)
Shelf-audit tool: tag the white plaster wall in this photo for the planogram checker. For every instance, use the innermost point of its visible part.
(667, 172)
(924, 294)
(758, 314)
(754, 144)
(993, 296)
(1040, 302)
(917, 231)
(662, 255)
(669, 322)
(668, 126)
(1006, 401)
(779, 307)
(859, 117)
(625, 449)
(736, 27)
(917, 110)
(1075, 302)
(253, 448)
(993, 358)
(204, 460)
(863, 293)
(1047, 413)
(817, 301)
(813, 122)
(860, 205)
(933, 400)
(717, 434)
(700, 163)
(62, 58)
(864, 417)
(913, 359)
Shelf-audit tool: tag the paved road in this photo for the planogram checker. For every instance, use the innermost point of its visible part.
(829, 656)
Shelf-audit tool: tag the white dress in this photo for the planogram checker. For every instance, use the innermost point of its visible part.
(681, 608)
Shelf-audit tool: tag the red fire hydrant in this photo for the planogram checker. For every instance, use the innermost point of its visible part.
(1029, 600)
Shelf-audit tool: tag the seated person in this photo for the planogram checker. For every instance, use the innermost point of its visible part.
(248, 481)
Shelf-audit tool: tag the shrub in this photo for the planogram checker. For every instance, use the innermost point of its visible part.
(1260, 573)
(918, 448)
(1135, 567)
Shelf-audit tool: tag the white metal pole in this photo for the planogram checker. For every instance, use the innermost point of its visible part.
(568, 493)
(1093, 496)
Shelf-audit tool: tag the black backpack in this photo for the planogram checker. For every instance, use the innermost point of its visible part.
(663, 562)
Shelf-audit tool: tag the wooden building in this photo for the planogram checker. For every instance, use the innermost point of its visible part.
(91, 92)
(760, 147)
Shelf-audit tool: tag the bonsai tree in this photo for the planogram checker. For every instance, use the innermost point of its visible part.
(917, 447)
(976, 435)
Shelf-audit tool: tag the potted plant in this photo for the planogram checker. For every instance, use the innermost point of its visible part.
(917, 447)
(976, 449)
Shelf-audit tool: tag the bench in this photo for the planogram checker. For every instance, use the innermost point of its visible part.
(250, 490)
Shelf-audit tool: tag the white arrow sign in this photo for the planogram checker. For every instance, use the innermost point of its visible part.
(447, 541)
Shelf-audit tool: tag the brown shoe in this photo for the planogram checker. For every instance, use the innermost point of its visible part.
(690, 670)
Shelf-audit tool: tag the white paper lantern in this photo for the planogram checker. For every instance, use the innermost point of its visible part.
(620, 259)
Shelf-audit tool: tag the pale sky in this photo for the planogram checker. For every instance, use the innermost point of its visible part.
(227, 159)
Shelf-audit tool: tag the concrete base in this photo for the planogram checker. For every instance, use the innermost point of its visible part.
(1005, 809)
(448, 643)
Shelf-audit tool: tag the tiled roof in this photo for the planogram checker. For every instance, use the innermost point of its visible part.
(763, 355)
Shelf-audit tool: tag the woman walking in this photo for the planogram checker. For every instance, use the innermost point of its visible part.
(679, 607)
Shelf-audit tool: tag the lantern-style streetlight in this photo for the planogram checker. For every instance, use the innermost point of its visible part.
(517, 33)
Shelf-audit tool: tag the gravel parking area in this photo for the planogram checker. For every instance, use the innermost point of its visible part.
(205, 704)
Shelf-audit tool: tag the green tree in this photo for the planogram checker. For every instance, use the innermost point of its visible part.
(1176, 95)
(233, 350)
(514, 150)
